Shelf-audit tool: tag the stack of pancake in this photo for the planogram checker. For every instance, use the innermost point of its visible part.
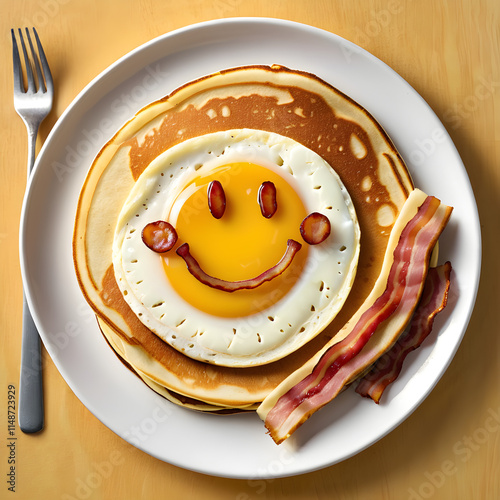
(293, 104)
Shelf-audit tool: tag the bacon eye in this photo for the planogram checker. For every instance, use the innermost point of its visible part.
(159, 236)
(267, 199)
(216, 199)
(315, 228)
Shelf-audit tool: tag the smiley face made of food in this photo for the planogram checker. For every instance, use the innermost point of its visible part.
(252, 325)
(274, 99)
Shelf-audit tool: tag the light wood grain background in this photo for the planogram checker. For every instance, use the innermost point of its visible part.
(449, 448)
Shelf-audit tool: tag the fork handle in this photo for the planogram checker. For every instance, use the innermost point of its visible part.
(31, 414)
(31, 409)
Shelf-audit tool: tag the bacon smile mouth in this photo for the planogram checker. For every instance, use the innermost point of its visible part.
(231, 286)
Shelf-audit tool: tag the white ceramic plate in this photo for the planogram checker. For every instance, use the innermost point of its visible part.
(234, 446)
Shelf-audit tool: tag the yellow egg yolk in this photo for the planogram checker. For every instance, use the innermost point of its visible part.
(240, 245)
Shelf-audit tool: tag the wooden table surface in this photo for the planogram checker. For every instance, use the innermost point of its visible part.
(449, 448)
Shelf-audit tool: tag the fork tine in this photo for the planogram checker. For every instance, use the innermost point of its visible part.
(45, 65)
(18, 75)
(29, 72)
(41, 83)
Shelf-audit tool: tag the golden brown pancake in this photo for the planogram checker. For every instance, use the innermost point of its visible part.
(193, 404)
(275, 99)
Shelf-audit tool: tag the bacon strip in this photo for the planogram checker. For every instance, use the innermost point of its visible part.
(194, 268)
(388, 367)
(341, 362)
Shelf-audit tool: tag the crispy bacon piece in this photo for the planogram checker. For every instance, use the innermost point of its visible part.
(315, 228)
(267, 199)
(216, 199)
(159, 236)
(231, 286)
(388, 367)
(322, 379)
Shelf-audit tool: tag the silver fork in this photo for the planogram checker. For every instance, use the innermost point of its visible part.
(33, 103)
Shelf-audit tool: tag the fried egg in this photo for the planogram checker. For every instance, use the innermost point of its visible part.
(246, 327)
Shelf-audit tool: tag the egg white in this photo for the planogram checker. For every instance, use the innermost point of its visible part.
(252, 340)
